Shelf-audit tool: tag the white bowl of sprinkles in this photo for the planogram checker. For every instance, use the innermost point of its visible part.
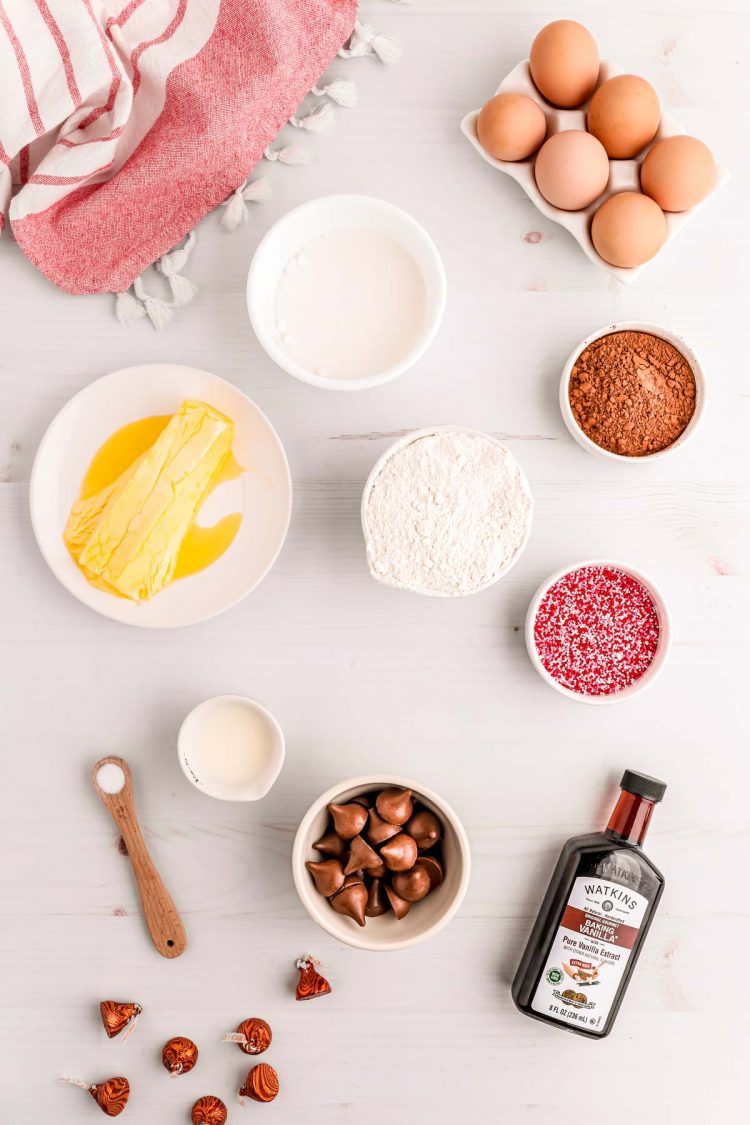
(637, 646)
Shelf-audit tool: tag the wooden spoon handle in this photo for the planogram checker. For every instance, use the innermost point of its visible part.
(163, 921)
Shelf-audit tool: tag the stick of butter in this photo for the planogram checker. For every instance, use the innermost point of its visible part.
(127, 537)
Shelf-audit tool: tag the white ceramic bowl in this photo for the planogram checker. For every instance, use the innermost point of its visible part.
(320, 216)
(654, 330)
(222, 789)
(624, 175)
(662, 649)
(385, 933)
(401, 444)
(263, 492)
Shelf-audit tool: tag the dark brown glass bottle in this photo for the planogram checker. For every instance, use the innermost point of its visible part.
(595, 916)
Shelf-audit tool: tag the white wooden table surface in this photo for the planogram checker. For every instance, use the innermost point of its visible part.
(363, 678)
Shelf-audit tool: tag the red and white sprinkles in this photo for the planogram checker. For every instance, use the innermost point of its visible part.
(596, 630)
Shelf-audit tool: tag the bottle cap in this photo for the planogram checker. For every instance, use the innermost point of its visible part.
(642, 785)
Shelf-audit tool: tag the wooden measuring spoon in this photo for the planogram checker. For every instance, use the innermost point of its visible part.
(163, 921)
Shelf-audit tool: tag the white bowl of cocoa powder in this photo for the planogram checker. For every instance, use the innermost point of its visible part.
(632, 391)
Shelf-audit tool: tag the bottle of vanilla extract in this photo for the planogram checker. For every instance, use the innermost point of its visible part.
(594, 919)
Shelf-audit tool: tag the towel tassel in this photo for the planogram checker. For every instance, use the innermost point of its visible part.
(364, 41)
(289, 154)
(128, 308)
(341, 91)
(318, 120)
(170, 266)
(235, 208)
(158, 312)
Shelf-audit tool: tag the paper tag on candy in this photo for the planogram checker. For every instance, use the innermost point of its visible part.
(253, 1036)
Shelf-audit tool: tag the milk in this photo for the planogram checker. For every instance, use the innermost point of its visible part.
(231, 748)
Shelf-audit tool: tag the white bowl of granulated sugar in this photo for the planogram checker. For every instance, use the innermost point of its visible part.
(446, 512)
(346, 292)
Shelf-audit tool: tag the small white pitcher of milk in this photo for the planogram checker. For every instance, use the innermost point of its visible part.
(232, 748)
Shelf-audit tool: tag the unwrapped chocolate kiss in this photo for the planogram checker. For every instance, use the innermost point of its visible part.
(395, 805)
(331, 845)
(377, 902)
(361, 857)
(328, 876)
(380, 830)
(399, 906)
(400, 853)
(351, 900)
(348, 820)
(425, 828)
(433, 867)
(411, 885)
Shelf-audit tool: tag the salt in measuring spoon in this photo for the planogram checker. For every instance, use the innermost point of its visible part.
(113, 783)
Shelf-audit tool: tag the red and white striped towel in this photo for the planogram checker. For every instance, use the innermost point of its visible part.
(125, 121)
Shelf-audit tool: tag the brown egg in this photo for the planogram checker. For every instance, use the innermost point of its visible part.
(624, 115)
(511, 127)
(571, 170)
(678, 172)
(564, 63)
(628, 229)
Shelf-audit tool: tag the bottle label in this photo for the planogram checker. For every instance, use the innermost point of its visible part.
(589, 953)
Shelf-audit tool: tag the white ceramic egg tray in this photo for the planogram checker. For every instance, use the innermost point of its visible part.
(624, 175)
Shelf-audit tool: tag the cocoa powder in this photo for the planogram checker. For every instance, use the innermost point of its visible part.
(632, 393)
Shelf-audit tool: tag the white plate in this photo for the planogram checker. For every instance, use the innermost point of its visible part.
(263, 493)
(624, 175)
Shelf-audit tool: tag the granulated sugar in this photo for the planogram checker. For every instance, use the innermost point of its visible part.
(447, 514)
(351, 304)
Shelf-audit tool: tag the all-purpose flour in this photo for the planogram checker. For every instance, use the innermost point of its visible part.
(350, 304)
(447, 514)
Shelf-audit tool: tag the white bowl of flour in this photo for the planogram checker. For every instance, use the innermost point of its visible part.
(346, 292)
(446, 512)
